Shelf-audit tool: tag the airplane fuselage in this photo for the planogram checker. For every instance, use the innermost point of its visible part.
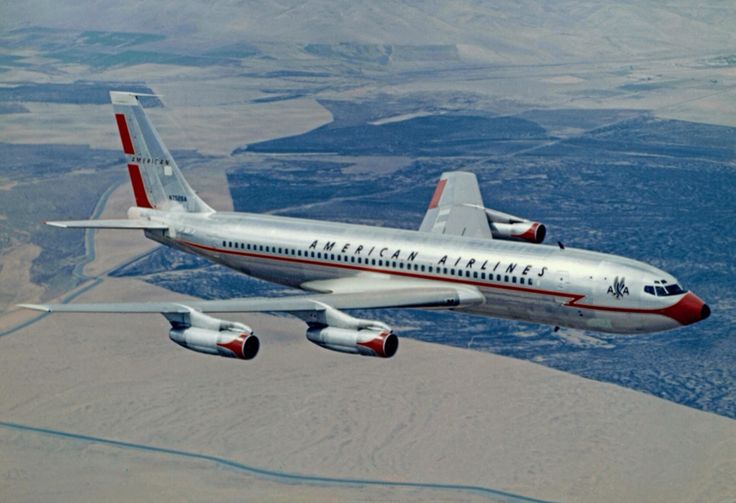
(528, 282)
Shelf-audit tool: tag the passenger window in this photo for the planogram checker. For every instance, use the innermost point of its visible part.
(529, 282)
(513, 279)
(506, 279)
(467, 274)
(521, 280)
(475, 275)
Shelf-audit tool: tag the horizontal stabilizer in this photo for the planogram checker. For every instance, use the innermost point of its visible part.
(108, 224)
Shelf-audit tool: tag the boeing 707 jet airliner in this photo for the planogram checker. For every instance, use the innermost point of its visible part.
(464, 257)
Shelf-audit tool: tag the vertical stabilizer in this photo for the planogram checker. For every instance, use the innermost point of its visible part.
(154, 175)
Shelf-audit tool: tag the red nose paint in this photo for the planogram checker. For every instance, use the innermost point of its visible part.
(686, 311)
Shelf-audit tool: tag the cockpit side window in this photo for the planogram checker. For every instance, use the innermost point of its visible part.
(665, 290)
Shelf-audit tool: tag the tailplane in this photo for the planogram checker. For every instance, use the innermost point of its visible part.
(156, 179)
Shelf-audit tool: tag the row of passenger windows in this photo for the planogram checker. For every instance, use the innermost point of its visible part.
(395, 264)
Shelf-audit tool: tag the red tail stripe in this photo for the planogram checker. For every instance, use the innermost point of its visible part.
(139, 190)
(437, 194)
(124, 134)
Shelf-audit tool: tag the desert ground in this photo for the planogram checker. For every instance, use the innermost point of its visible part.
(432, 414)
(106, 408)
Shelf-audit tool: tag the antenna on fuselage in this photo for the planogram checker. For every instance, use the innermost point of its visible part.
(559, 243)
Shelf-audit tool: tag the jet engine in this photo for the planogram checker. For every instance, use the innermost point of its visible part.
(205, 334)
(332, 329)
(366, 342)
(509, 227)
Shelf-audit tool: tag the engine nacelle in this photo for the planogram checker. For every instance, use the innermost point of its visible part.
(228, 343)
(533, 232)
(367, 342)
(205, 334)
(506, 226)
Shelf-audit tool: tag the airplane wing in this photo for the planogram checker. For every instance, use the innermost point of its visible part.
(108, 224)
(438, 297)
(457, 208)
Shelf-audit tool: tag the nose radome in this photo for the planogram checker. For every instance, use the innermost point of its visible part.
(688, 310)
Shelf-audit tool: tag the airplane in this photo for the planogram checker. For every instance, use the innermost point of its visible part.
(464, 257)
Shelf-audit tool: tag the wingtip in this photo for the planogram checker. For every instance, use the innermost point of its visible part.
(56, 224)
(36, 307)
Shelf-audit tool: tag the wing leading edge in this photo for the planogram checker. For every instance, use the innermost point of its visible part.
(442, 297)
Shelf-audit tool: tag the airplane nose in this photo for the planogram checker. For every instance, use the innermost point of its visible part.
(688, 310)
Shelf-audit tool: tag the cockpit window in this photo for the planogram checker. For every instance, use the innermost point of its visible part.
(664, 291)
(674, 290)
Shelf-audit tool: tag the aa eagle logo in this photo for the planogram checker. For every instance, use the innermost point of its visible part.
(618, 289)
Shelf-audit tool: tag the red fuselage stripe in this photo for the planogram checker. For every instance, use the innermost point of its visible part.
(124, 134)
(573, 302)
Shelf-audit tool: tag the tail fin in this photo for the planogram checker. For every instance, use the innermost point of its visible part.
(156, 179)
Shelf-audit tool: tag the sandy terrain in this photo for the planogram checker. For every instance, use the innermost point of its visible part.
(15, 269)
(431, 414)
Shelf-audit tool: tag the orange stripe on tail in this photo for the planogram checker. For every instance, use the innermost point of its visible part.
(437, 194)
(139, 190)
(124, 134)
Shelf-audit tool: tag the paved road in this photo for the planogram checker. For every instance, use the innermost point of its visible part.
(280, 476)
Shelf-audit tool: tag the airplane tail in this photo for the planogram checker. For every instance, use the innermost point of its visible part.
(156, 179)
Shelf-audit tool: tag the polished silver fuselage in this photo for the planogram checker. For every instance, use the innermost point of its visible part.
(528, 282)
